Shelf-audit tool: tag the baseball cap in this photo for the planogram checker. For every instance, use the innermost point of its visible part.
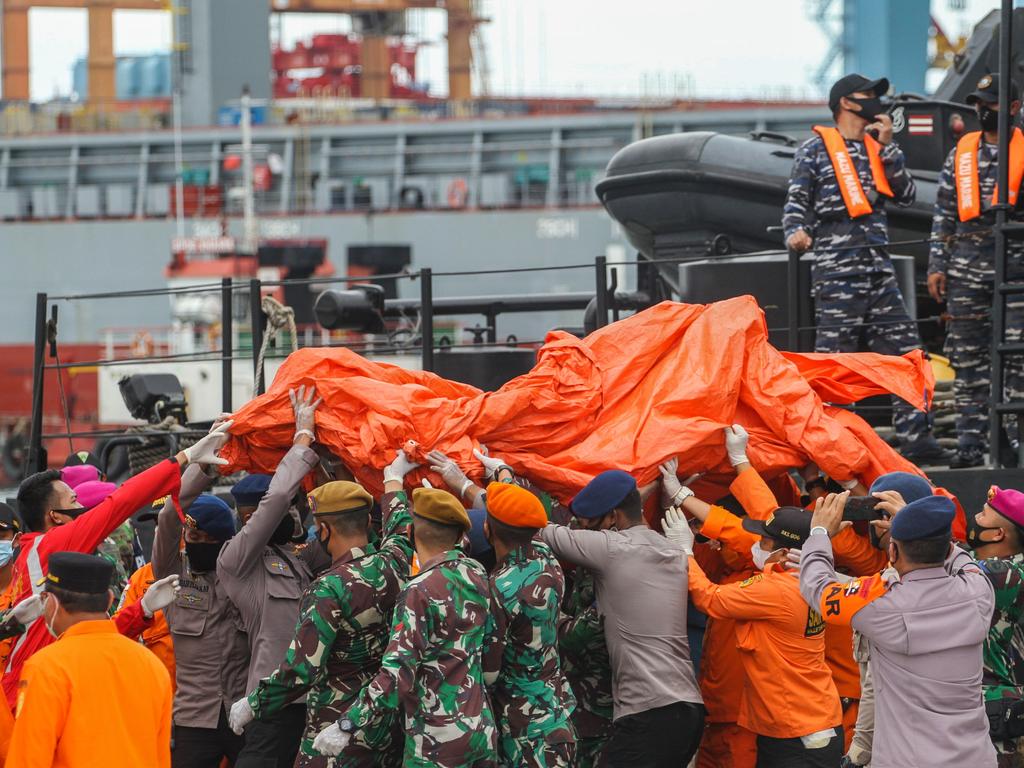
(8, 519)
(77, 572)
(787, 525)
(987, 90)
(853, 83)
(79, 458)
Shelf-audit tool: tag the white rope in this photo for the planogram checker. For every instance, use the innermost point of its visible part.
(279, 317)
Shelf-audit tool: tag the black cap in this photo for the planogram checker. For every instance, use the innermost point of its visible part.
(81, 457)
(8, 519)
(787, 525)
(987, 90)
(76, 572)
(852, 84)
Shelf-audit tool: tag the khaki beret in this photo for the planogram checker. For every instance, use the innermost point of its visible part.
(440, 507)
(339, 496)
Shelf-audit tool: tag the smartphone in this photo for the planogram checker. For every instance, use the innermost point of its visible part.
(861, 508)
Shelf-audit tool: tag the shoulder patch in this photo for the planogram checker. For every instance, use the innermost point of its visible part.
(752, 580)
(815, 624)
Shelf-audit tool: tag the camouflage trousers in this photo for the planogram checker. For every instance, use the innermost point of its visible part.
(968, 346)
(536, 753)
(588, 751)
(868, 310)
(1007, 750)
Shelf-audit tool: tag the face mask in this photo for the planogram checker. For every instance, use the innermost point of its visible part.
(6, 552)
(72, 513)
(989, 118)
(284, 532)
(324, 542)
(202, 555)
(974, 531)
(761, 556)
(870, 108)
(48, 620)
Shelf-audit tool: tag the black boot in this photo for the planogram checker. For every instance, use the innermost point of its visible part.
(926, 450)
(966, 458)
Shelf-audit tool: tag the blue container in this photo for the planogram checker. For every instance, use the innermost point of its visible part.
(229, 116)
(128, 75)
(155, 76)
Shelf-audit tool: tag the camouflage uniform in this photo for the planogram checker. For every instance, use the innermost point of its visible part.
(339, 641)
(1003, 652)
(969, 265)
(433, 668)
(531, 697)
(588, 668)
(855, 291)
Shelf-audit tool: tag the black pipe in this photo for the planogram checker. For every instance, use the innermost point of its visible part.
(485, 305)
(36, 452)
(256, 320)
(998, 306)
(427, 318)
(601, 290)
(227, 331)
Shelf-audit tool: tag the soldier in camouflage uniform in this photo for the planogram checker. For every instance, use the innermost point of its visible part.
(432, 671)
(588, 668)
(531, 698)
(961, 270)
(344, 625)
(855, 290)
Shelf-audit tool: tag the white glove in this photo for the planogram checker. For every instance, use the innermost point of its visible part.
(792, 561)
(675, 491)
(205, 451)
(736, 439)
(425, 483)
(160, 594)
(677, 529)
(848, 485)
(449, 471)
(399, 468)
(241, 715)
(304, 407)
(331, 740)
(491, 463)
(28, 610)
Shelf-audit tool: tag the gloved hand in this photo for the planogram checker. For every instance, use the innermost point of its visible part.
(677, 529)
(205, 451)
(492, 464)
(675, 492)
(28, 610)
(449, 471)
(304, 407)
(241, 715)
(399, 468)
(736, 439)
(792, 561)
(331, 740)
(160, 594)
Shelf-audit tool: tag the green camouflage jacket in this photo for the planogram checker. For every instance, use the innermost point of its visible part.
(1003, 652)
(585, 659)
(339, 641)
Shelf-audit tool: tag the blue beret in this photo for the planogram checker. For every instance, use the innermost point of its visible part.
(602, 494)
(250, 490)
(478, 543)
(910, 487)
(923, 519)
(211, 515)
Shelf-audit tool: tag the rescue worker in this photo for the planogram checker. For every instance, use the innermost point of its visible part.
(157, 636)
(961, 271)
(531, 698)
(93, 695)
(211, 651)
(264, 574)
(432, 671)
(56, 523)
(10, 532)
(843, 178)
(789, 701)
(658, 711)
(926, 635)
(344, 624)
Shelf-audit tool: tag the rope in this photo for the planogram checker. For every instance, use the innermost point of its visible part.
(279, 317)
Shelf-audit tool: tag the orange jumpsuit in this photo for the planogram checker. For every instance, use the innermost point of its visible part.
(93, 697)
(157, 636)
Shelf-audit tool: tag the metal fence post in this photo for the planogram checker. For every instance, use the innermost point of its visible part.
(601, 289)
(36, 460)
(427, 318)
(227, 344)
(793, 294)
(256, 319)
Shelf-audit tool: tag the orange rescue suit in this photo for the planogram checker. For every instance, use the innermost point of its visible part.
(846, 172)
(93, 697)
(965, 166)
(156, 637)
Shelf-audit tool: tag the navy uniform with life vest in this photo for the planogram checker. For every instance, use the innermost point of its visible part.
(964, 208)
(838, 193)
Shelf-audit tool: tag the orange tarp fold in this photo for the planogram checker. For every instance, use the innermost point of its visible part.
(661, 383)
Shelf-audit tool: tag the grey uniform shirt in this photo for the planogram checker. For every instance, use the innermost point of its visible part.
(266, 583)
(640, 579)
(211, 651)
(925, 635)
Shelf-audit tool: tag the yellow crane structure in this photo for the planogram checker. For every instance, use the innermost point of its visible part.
(462, 20)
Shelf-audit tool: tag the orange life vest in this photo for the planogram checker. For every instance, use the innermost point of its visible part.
(846, 172)
(968, 191)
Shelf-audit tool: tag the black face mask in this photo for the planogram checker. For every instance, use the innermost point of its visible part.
(324, 542)
(989, 118)
(285, 531)
(974, 531)
(875, 537)
(202, 555)
(72, 513)
(870, 108)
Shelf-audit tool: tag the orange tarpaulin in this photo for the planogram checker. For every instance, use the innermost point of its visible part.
(663, 382)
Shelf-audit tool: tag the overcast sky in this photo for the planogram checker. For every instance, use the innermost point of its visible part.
(727, 48)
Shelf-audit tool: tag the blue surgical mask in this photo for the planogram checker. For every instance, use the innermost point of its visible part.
(6, 552)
